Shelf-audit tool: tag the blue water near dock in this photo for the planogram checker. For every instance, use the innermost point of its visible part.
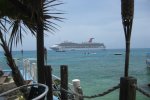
(98, 70)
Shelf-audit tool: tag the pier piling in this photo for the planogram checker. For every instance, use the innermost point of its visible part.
(127, 88)
(77, 89)
(48, 77)
(64, 82)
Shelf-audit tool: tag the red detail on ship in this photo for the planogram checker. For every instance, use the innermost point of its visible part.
(90, 41)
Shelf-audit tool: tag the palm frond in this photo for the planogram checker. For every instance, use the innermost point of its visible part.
(25, 16)
(3, 22)
(50, 15)
(49, 2)
(16, 34)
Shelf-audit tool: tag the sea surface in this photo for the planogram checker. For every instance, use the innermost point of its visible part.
(98, 70)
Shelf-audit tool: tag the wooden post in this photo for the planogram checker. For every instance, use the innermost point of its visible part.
(48, 77)
(77, 89)
(64, 82)
(127, 90)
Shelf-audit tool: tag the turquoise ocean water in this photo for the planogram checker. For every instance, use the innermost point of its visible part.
(98, 71)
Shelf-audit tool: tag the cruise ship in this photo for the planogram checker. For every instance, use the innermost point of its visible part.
(77, 46)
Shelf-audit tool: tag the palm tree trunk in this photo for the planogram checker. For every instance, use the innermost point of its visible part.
(40, 43)
(40, 54)
(17, 76)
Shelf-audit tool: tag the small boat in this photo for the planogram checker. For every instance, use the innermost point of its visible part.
(88, 53)
(57, 48)
(117, 53)
(148, 60)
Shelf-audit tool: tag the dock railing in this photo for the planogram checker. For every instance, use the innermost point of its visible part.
(128, 87)
(73, 91)
(40, 92)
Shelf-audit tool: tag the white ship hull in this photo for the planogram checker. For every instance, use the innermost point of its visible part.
(77, 46)
(59, 49)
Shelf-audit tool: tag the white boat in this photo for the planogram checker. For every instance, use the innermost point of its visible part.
(148, 60)
(77, 46)
(57, 48)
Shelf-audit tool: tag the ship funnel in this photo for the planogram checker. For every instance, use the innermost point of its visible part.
(90, 40)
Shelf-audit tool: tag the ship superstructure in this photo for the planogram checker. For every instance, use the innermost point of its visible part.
(77, 46)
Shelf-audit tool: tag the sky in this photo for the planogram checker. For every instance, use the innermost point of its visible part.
(98, 19)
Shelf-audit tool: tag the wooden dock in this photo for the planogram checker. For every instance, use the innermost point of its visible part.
(146, 87)
(4, 77)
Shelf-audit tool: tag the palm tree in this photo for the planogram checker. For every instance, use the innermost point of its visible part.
(34, 15)
(11, 15)
(17, 77)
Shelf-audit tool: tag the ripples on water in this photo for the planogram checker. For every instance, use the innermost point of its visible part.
(98, 70)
